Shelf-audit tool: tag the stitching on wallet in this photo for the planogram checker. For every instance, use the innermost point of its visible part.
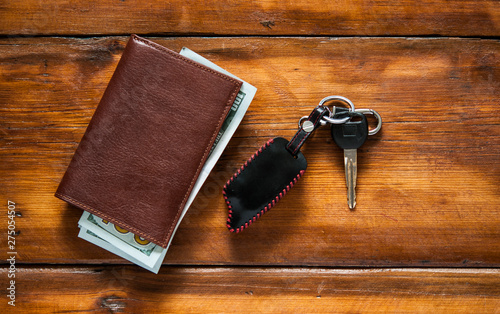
(202, 162)
(268, 206)
(105, 216)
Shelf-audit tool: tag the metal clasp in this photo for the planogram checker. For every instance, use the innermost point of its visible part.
(308, 127)
(330, 118)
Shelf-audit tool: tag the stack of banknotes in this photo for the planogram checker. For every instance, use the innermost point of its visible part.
(136, 249)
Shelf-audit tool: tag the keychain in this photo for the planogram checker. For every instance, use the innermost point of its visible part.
(273, 170)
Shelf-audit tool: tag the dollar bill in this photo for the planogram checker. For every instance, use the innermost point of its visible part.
(127, 242)
(136, 249)
(227, 122)
(95, 239)
(240, 106)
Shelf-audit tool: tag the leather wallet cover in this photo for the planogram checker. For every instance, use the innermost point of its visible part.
(148, 140)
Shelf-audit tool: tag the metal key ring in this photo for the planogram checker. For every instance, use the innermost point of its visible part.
(377, 116)
(331, 120)
(302, 119)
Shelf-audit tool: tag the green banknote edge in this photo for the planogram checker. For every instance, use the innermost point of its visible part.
(92, 220)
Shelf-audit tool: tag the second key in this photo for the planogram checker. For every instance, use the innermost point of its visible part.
(350, 136)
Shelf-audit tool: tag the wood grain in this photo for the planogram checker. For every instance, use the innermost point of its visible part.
(257, 290)
(428, 183)
(428, 190)
(215, 17)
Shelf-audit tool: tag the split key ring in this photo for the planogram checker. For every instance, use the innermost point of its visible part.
(377, 116)
(330, 118)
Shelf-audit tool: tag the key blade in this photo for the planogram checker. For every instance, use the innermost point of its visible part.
(351, 173)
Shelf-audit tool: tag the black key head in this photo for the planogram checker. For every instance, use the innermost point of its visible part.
(353, 133)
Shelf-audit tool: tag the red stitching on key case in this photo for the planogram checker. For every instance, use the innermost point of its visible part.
(292, 140)
(235, 176)
(269, 205)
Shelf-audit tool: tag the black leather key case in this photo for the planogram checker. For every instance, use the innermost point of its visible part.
(261, 182)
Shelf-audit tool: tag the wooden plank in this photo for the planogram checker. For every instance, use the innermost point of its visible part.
(428, 190)
(214, 17)
(256, 290)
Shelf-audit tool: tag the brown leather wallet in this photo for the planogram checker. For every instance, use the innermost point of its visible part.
(148, 140)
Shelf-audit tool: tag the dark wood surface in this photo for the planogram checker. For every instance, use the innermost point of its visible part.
(264, 17)
(115, 289)
(428, 192)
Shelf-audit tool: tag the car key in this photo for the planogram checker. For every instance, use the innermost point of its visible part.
(350, 136)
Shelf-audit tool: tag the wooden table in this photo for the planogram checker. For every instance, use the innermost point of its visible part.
(425, 234)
